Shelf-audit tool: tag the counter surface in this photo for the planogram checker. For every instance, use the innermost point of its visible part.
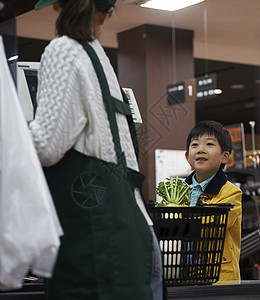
(246, 289)
(249, 290)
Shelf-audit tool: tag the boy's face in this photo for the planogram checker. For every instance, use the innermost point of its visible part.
(205, 156)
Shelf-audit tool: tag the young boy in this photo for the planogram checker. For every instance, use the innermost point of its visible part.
(208, 149)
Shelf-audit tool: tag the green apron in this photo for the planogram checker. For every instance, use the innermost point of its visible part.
(106, 250)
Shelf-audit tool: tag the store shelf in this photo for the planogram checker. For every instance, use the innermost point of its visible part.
(250, 244)
(244, 172)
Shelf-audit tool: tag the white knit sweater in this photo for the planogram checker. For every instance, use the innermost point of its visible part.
(71, 111)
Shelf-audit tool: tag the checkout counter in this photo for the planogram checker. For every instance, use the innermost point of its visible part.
(30, 291)
(249, 290)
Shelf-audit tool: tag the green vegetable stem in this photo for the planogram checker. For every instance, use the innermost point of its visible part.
(173, 191)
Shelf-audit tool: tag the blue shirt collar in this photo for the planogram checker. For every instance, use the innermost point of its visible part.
(203, 184)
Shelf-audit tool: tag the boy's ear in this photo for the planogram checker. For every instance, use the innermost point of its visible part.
(225, 157)
(187, 156)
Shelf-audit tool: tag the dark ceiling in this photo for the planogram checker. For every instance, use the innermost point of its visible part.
(21, 6)
(233, 106)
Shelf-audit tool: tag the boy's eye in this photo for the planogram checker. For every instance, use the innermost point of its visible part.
(194, 144)
(210, 144)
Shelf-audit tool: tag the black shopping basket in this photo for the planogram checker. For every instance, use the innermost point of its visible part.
(191, 241)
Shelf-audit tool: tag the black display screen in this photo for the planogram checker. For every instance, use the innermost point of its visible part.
(32, 82)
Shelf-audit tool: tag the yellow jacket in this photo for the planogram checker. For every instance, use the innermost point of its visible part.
(220, 190)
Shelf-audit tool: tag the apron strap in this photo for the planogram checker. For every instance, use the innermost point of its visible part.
(111, 106)
(121, 107)
(131, 126)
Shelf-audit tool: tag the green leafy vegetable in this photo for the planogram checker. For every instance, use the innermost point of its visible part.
(173, 191)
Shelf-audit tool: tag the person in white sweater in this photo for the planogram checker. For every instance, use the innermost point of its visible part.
(83, 139)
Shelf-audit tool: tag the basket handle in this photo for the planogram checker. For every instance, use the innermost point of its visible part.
(226, 205)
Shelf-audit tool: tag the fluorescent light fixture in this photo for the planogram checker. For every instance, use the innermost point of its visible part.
(169, 5)
(12, 58)
(237, 86)
(217, 91)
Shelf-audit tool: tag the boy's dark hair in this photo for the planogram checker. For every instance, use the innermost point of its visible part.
(211, 128)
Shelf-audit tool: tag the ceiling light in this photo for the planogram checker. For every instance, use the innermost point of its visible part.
(237, 86)
(169, 5)
(250, 104)
(217, 91)
(12, 58)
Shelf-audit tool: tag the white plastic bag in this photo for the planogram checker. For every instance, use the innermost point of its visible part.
(29, 226)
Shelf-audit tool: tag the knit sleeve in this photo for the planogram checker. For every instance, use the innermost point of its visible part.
(60, 117)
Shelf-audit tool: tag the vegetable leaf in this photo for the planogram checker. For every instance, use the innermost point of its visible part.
(173, 191)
